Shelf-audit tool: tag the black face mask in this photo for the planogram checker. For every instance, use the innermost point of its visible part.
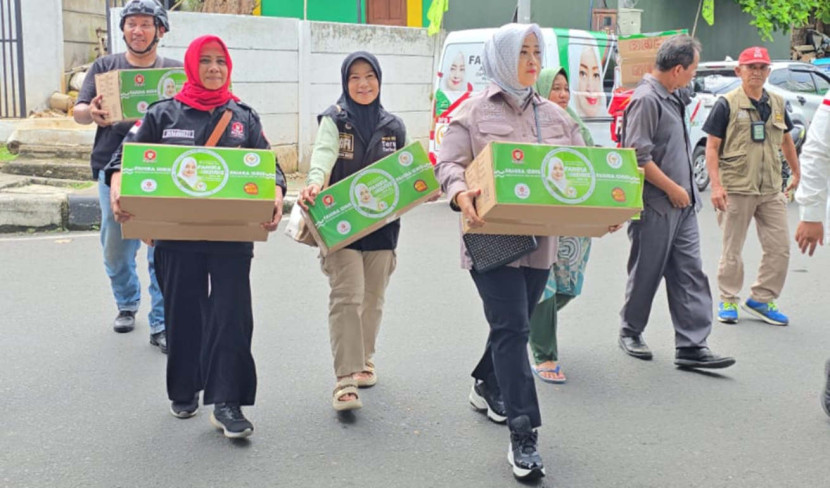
(364, 117)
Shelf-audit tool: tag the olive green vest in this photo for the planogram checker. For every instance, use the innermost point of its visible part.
(747, 167)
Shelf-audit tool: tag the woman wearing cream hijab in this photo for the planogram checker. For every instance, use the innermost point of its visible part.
(507, 110)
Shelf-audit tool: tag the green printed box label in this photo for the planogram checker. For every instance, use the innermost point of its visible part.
(562, 175)
(197, 172)
(373, 194)
(140, 88)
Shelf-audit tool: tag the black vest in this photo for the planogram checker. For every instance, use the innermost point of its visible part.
(356, 154)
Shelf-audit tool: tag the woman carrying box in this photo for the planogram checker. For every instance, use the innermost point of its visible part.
(565, 280)
(507, 110)
(206, 285)
(354, 133)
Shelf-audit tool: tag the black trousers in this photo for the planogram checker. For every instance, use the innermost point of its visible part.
(509, 296)
(207, 311)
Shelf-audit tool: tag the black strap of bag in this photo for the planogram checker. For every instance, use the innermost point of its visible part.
(490, 251)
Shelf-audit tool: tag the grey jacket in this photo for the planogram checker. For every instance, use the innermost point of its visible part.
(494, 116)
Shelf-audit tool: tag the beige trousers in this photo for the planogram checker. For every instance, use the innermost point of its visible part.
(770, 213)
(358, 281)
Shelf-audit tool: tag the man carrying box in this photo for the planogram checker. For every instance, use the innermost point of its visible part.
(665, 242)
(143, 23)
(747, 127)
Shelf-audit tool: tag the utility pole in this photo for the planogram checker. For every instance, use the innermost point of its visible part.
(523, 7)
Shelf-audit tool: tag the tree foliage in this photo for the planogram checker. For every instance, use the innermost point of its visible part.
(780, 15)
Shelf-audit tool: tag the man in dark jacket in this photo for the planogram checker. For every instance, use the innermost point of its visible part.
(143, 23)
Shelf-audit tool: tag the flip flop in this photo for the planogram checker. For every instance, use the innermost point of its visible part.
(555, 370)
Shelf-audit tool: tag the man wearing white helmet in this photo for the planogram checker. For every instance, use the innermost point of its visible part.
(143, 24)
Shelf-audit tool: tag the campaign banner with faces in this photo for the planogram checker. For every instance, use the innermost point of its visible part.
(588, 59)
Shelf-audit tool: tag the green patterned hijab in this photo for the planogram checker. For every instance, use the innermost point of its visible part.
(543, 86)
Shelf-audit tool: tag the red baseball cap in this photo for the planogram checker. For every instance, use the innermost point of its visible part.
(754, 55)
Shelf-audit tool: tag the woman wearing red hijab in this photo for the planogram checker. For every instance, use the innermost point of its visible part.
(205, 285)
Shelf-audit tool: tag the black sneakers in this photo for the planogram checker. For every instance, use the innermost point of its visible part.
(522, 454)
(185, 410)
(487, 399)
(125, 322)
(228, 418)
(159, 339)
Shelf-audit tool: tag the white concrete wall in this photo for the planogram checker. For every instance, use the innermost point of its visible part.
(406, 59)
(42, 56)
(81, 18)
(289, 70)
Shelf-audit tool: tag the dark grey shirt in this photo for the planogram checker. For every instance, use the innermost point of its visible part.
(655, 126)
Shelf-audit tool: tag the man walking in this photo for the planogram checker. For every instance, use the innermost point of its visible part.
(143, 23)
(665, 242)
(812, 199)
(747, 127)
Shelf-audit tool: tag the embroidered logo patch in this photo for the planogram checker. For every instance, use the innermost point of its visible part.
(135, 127)
(238, 130)
(389, 144)
(346, 146)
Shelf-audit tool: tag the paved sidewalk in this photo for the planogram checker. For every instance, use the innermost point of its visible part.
(31, 203)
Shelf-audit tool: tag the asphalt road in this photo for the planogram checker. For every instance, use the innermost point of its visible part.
(85, 407)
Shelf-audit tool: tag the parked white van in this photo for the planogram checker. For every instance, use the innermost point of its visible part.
(588, 57)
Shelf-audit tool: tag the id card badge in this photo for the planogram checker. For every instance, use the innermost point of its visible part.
(759, 133)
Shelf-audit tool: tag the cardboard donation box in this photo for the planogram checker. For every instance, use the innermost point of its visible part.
(638, 52)
(127, 93)
(371, 198)
(533, 189)
(196, 193)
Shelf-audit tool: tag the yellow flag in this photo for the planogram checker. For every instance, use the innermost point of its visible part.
(709, 11)
(435, 14)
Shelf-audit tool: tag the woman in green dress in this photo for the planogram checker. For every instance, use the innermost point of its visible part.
(565, 281)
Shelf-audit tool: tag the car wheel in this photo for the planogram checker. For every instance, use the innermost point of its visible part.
(699, 167)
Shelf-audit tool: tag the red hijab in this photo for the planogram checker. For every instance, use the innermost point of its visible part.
(195, 94)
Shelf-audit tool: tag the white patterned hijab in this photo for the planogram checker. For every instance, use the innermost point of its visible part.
(501, 57)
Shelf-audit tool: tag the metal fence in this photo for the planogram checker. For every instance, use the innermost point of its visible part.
(12, 88)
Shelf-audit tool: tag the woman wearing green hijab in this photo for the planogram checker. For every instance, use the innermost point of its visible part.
(565, 281)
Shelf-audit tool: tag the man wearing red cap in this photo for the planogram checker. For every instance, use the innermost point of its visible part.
(747, 127)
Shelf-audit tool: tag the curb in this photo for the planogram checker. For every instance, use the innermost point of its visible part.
(28, 212)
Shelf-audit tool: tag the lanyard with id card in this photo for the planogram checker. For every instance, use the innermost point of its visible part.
(758, 130)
